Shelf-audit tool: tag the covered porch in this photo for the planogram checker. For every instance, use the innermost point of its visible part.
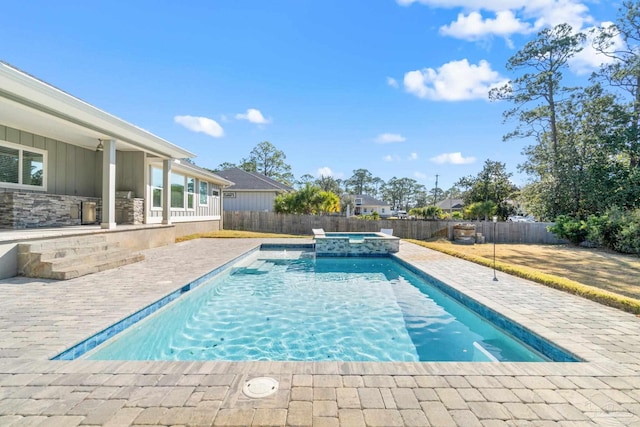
(60, 157)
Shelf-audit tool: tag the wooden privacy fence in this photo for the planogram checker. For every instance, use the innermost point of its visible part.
(271, 222)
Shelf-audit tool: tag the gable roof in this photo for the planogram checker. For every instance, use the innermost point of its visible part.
(252, 181)
(370, 201)
(450, 204)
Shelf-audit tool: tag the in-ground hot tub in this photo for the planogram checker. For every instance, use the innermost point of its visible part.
(356, 244)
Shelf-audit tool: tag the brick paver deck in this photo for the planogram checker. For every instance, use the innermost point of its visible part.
(39, 319)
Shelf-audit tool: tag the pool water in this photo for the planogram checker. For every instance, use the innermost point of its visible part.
(287, 305)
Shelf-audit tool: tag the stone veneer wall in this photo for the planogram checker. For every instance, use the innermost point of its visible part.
(341, 246)
(32, 210)
(129, 211)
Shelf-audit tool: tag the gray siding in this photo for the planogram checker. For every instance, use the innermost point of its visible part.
(256, 201)
(71, 170)
(130, 172)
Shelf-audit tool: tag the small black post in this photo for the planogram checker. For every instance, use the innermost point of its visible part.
(495, 221)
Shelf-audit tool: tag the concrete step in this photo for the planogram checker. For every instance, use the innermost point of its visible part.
(76, 251)
(52, 245)
(66, 258)
(90, 258)
(82, 270)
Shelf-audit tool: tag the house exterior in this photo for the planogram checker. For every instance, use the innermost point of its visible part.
(451, 205)
(250, 191)
(65, 162)
(366, 205)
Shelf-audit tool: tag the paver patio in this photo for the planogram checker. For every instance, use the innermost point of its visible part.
(39, 319)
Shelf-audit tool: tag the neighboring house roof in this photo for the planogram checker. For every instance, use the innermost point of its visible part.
(369, 201)
(450, 204)
(66, 118)
(252, 181)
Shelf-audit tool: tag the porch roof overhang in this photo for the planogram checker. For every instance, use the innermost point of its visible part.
(30, 104)
(196, 171)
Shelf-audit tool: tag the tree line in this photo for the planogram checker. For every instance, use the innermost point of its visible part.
(583, 152)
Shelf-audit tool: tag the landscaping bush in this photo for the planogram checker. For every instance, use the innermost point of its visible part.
(573, 229)
(615, 229)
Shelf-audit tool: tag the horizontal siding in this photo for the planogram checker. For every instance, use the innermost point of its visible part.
(258, 201)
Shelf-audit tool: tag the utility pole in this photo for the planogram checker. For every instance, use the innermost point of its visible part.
(435, 191)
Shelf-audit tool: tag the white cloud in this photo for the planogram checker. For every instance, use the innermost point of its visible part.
(200, 124)
(589, 59)
(253, 116)
(511, 16)
(452, 158)
(388, 138)
(392, 82)
(326, 171)
(453, 81)
(413, 156)
(390, 158)
(474, 27)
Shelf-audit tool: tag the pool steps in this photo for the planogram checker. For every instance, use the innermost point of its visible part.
(71, 257)
(254, 267)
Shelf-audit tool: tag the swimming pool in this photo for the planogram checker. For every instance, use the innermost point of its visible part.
(289, 305)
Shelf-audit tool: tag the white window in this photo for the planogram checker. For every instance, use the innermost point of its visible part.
(177, 191)
(156, 188)
(204, 191)
(230, 194)
(22, 167)
(191, 192)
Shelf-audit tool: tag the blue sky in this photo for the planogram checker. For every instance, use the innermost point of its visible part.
(397, 87)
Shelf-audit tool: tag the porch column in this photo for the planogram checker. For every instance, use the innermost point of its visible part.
(166, 193)
(109, 184)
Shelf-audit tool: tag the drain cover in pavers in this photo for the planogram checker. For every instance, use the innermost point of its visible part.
(260, 387)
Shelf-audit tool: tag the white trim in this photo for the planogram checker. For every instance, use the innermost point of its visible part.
(45, 166)
(186, 193)
(150, 168)
(158, 220)
(175, 175)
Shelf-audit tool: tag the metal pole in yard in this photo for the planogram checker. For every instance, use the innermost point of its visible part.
(495, 221)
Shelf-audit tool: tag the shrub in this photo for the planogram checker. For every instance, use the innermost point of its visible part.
(573, 229)
(615, 229)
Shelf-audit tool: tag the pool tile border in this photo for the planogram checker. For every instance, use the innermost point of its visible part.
(543, 345)
(95, 340)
